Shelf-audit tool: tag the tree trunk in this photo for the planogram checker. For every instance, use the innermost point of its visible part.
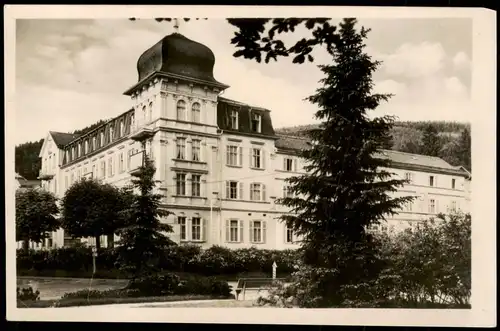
(98, 242)
(26, 245)
(111, 240)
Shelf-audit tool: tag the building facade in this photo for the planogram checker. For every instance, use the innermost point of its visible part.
(220, 164)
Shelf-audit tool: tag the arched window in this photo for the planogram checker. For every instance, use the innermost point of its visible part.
(150, 111)
(144, 114)
(181, 110)
(196, 110)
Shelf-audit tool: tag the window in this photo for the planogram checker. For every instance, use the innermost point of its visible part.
(196, 229)
(453, 182)
(234, 231)
(287, 192)
(256, 158)
(72, 178)
(144, 114)
(101, 140)
(431, 180)
(181, 148)
(132, 121)
(195, 112)
(85, 147)
(79, 174)
(432, 206)
(121, 167)
(256, 123)
(85, 172)
(103, 169)
(234, 190)
(195, 146)
(181, 110)
(234, 156)
(408, 207)
(94, 171)
(409, 177)
(289, 236)
(453, 207)
(196, 185)
(288, 164)
(150, 115)
(257, 231)
(234, 119)
(257, 192)
(111, 133)
(110, 167)
(122, 128)
(94, 143)
(183, 227)
(180, 183)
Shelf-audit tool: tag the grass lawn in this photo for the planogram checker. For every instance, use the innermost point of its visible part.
(78, 302)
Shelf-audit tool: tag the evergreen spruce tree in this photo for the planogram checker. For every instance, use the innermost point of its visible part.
(431, 142)
(345, 190)
(143, 239)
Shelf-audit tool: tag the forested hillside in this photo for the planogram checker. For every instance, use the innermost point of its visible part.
(448, 140)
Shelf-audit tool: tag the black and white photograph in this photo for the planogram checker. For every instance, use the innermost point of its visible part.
(171, 158)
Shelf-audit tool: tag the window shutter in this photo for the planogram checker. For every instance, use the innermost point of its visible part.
(228, 190)
(241, 230)
(264, 230)
(240, 152)
(250, 152)
(250, 231)
(227, 230)
(284, 163)
(295, 161)
(240, 193)
(263, 192)
(203, 229)
(263, 159)
(227, 155)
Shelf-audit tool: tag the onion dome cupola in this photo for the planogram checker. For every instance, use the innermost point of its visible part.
(177, 56)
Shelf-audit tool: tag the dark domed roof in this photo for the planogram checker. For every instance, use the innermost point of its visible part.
(178, 55)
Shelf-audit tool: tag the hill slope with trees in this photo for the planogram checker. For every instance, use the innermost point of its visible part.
(452, 138)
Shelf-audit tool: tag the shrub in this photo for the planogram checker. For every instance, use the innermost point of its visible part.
(217, 260)
(96, 294)
(170, 284)
(27, 294)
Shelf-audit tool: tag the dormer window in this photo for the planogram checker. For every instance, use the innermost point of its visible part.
(256, 123)
(234, 119)
(195, 112)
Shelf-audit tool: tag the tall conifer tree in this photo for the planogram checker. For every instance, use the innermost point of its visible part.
(346, 189)
(143, 238)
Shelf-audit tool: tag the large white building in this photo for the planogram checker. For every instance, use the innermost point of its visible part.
(220, 164)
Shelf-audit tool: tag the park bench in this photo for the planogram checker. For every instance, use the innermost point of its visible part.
(253, 284)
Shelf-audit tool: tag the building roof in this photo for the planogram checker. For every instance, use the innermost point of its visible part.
(226, 106)
(175, 54)
(62, 139)
(417, 161)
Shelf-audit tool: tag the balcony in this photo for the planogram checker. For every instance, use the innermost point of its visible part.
(45, 174)
(141, 131)
(136, 161)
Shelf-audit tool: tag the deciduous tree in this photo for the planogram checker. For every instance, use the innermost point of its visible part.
(36, 215)
(92, 209)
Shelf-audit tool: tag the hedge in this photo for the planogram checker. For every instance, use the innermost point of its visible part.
(184, 258)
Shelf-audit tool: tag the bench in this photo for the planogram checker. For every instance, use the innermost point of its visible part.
(245, 284)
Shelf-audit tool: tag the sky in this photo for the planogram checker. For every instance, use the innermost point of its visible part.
(72, 73)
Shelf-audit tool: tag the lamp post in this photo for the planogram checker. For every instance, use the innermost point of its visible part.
(94, 255)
